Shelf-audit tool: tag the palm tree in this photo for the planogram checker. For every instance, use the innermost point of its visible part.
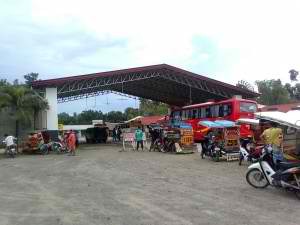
(37, 104)
(245, 85)
(23, 102)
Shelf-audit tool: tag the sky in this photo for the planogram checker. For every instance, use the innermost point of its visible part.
(226, 40)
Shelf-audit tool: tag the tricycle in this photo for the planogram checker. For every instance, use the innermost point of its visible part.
(222, 139)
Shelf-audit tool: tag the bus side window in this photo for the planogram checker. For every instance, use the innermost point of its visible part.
(227, 110)
(208, 112)
(199, 113)
(203, 113)
(184, 117)
(221, 111)
(190, 114)
(195, 113)
(215, 111)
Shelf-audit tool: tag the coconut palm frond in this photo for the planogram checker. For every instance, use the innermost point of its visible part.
(245, 85)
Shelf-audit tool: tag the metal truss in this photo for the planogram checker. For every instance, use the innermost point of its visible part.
(93, 94)
(197, 84)
(100, 83)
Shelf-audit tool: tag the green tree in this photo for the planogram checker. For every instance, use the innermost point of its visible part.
(4, 82)
(66, 119)
(151, 108)
(115, 117)
(293, 75)
(30, 77)
(272, 92)
(87, 116)
(131, 113)
(23, 102)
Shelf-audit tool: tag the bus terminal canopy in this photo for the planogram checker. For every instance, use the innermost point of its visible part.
(164, 83)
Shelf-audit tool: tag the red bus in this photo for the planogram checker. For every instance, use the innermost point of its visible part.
(231, 109)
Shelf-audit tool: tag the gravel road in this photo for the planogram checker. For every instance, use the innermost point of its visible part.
(104, 186)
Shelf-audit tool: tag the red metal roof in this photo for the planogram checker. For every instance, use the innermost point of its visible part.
(62, 80)
(162, 82)
(146, 120)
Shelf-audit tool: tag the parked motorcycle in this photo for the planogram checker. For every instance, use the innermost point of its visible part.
(263, 173)
(170, 140)
(158, 145)
(211, 148)
(250, 153)
(59, 147)
(11, 151)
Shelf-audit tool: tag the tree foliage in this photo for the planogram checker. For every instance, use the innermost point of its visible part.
(293, 75)
(30, 77)
(131, 113)
(23, 102)
(151, 108)
(272, 92)
(245, 85)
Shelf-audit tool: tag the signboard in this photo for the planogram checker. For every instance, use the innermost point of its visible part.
(128, 137)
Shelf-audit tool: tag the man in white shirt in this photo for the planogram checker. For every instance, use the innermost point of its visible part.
(9, 141)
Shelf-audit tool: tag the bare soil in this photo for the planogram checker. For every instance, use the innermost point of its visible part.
(104, 186)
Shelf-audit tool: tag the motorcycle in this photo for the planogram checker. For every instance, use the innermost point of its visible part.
(171, 139)
(211, 148)
(283, 175)
(11, 151)
(249, 153)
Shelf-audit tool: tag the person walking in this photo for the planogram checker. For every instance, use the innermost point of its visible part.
(72, 142)
(139, 138)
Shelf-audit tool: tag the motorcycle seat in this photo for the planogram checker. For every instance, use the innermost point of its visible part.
(288, 165)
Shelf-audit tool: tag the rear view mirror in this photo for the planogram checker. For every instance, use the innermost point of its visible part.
(290, 130)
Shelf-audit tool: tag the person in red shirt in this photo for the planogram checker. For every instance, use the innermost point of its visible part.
(72, 142)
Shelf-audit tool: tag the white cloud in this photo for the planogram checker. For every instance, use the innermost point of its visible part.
(236, 39)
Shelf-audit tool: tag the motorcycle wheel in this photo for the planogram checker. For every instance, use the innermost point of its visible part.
(297, 193)
(241, 158)
(256, 178)
(216, 156)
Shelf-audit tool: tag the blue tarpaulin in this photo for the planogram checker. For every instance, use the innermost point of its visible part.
(217, 123)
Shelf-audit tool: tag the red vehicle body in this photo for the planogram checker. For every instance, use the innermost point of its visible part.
(231, 109)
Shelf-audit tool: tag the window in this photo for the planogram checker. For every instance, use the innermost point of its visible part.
(189, 114)
(248, 107)
(176, 115)
(215, 110)
(208, 112)
(183, 116)
(195, 113)
(227, 110)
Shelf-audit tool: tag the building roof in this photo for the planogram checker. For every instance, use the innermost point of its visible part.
(146, 120)
(281, 107)
(162, 82)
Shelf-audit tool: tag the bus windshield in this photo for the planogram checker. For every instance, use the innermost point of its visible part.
(248, 107)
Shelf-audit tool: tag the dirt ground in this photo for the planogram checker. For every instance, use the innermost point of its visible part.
(104, 186)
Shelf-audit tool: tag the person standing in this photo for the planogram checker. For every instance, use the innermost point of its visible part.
(119, 133)
(9, 142)
(273, 136)
(139, 138)
(114, 134)
(72, 142)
